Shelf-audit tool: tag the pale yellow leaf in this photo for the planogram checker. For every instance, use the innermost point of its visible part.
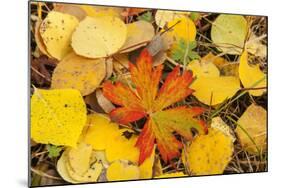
(79, 73)
(56, 31)
(99, 37)
(253, 123)
(229, 33)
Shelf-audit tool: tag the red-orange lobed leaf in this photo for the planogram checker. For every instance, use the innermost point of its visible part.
(148, 101)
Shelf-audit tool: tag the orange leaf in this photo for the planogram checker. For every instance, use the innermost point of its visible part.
(147, 100)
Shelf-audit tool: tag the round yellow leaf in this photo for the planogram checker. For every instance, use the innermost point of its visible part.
(56, 31)
(184, 29)
(79, 158)
(253, 123)
(91, 175)
(203, 69)
(61, 168)
(99, 37)
(100, 131)
(119, 147)
(38, 39)
(214, 90)
(121, 170)
(137, 33)
(57, 116)
(209, 154)
(251, 76)
(162, 17)
(229, 33)
(79, 73)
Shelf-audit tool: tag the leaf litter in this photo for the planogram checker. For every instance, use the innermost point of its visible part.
(149, 93)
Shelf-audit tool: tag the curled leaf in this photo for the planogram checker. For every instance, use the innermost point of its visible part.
(138, 33)
(251, 76)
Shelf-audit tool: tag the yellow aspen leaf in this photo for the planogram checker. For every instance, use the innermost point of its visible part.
(171, 175)
(61, 168)
(121, 170)
(146, 168)
(56, 31)
(79, 158)
(203, 68)
(63, 110)
(99, 131)
(184, 29)
(209, 154)
(99, 11)
(210, 87)
(229, 33)
(38, 39)
(213, 91)
(94, 37)
(79, 73)
(121, 147)
(91, 175)
(252, 129)
(225, 68)
(138, 33)
(251, 76)
(162, 17)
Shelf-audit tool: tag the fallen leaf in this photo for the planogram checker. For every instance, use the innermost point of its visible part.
(210, 87)
(183, 28)
(213, 91)
(251, 76)
(56, 31)
(100, 129)
(140, 103)
(103, 102)
(138, 33)
(162, 17)
(61, 168)
(219, 124)
(79, 158)
(63, 110)
(94, 38)
(79, 73)
(252, 129)
(38, 39)
(229, 33)
(132, 11)
(121, 170)
(209, 154)
(71, 9)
